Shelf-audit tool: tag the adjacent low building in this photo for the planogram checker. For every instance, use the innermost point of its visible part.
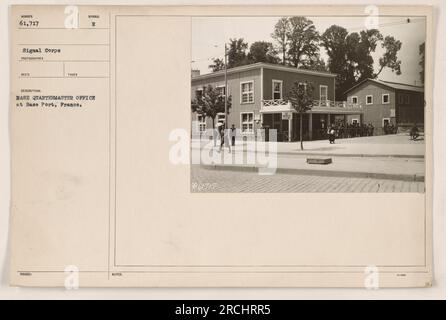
(259, 100)
(388, 103)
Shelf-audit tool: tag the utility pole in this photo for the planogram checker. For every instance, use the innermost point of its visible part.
(226, 89)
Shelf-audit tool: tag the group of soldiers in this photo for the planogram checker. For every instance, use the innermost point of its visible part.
(389, 128)
(344, 129)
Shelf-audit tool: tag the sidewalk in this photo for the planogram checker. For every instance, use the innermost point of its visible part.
(377, 146)
(384, 157)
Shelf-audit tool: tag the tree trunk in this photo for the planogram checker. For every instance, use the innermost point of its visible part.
(300, 129)
(377, 74)
(213, 132)
(283, 55)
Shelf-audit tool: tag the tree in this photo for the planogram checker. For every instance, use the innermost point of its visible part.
(350, 55)
(390, 56)
(315, 63)
(280, 36)
(210, 103)
(262, 51)
(421, 51)
(334, 40)
(301, 99)
(303, 40)
(364, 45)
(217, 65)
(237, 53)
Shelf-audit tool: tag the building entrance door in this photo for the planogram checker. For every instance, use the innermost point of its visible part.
(274, 121)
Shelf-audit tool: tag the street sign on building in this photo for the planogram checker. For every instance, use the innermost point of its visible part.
(287, 115)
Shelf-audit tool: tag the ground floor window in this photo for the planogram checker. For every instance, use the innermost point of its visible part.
(201, 123)
(247, 122)
(221, 117)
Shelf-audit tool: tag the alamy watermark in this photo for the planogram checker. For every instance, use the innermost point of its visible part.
(229, 147)
(371, 277)
(71, 277)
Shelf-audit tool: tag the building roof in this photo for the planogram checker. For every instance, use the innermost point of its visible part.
(393, 85)
(259, 65)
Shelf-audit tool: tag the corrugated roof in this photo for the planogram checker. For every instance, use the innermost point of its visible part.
(393, 85)
(402, 86)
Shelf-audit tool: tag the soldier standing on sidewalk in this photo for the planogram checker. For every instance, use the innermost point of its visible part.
(233, 135)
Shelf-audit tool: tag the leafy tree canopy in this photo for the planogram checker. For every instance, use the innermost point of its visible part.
(237, 53)
(262, 51)
(209, 103)
(350, 55)
(421, 51)
(297, 43)
(217, 64)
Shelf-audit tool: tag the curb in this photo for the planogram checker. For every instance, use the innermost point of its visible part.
(326, 173)
(353, 155)
(350, 155)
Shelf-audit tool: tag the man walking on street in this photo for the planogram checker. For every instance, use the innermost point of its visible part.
(224, 137)
(233, 135)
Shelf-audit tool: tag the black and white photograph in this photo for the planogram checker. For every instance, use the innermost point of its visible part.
(308, 104)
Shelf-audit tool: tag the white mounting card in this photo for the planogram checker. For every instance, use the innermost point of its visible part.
(221, 146)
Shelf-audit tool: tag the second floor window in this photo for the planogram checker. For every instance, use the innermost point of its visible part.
(323, 93)
(247, 92)
(221, 90)
(199, 93)
(355, 100)
(404, 98)
(277, 90)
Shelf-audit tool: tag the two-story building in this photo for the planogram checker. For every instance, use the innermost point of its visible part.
(259, 100)
(386, 102)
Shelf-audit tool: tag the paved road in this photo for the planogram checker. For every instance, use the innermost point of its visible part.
(209, 180)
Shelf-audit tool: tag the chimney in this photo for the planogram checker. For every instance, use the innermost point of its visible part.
(195, 73)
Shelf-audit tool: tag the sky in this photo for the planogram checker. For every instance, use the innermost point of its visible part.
(210, 33)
